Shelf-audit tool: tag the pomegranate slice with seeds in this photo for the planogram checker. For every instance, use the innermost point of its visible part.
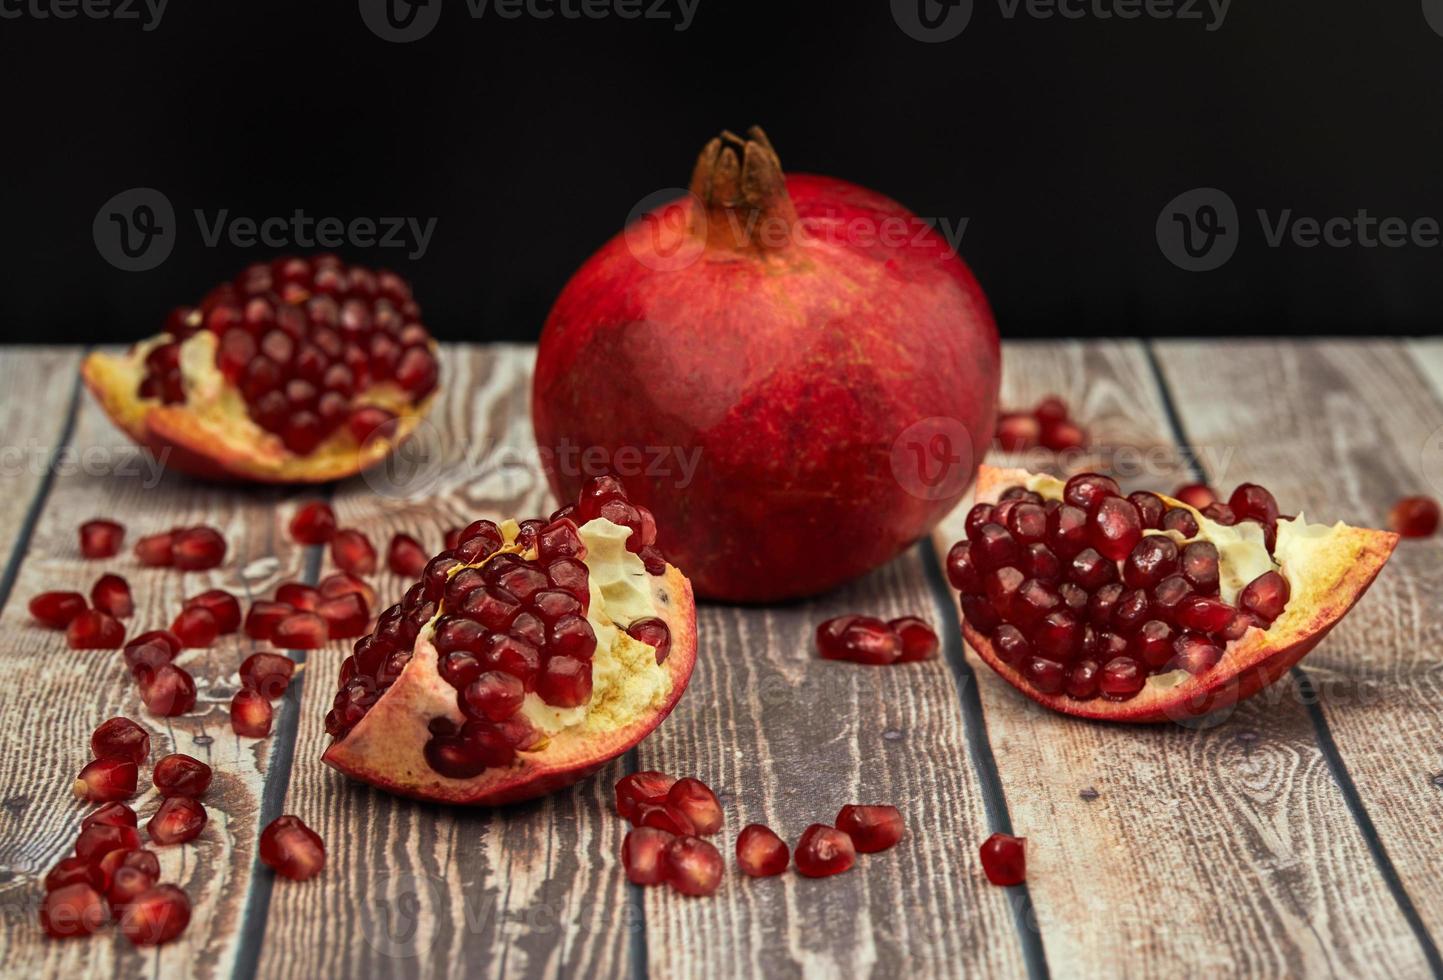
(824, 851)
(120, 738)
(1214, 610)
(419, 711)
(1004, 859)
(111, 594)
(101, 538)
(57, 610)
(872, 828)
(760, 852)
(693, 866)
(293, 372)
(294, 850)
(156, 916)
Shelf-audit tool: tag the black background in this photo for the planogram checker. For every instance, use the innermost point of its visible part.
(531, 140)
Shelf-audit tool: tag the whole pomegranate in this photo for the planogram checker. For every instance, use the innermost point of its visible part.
(796, 374)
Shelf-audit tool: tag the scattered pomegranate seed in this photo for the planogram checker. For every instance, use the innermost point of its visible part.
(405, 557)
(859, 639)
(1252, 502)
(646, 787)
(178, 820)
(182, 775)
(195, 627)
(1415, 517)
(313, 523)
(73, 910)
(352, 552)
(101, 539)
(156, 916)
(346, 616)
(294, 850)
(340, 583)
(195, 549)
(824, 851)
(693, 866)
(643, 855)
(872, 828)
(1004, 859)
(57, 610)
(264, 617)
(919, 640)
(154, 550)
(99, 839)
(95, 630)
(663, 817)
(127, 884)
(267, 673)
(298, 595)
(223, 606)
(74, 871)
(104, 780)
(301, 631)
(112, 814)
(250, 714)
(1017, 432)
(120, 738)
(695, 799)
(150, 650)
(654, 633)
(168, 691)
(1195, 495)
(1064, 435)
(111, 594)
(760, 852)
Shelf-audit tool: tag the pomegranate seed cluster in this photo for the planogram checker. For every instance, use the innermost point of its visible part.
(1075, 596)
(868, 640)
(301, 339)
(509, 626)
(1049, 425)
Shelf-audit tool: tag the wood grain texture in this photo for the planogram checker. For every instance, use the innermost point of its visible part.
(58, 696)
(1342, 430)
(1226, 848)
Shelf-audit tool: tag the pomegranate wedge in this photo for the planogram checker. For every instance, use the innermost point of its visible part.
(1144, 608)
(508, 670)
(301, 370)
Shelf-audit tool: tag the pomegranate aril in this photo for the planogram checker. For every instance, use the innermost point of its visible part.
(1067, 531)
(120, 738)
(105, 780)
(1082, 680)
(264, 617)
(1167, 596)
(343, 583)
(405, 557)
(113, 814)
(168, 691)
(863, 640)
(993, 548)
(197, 548)
(111, 594)
(1038, 561)
(1010, 644)
(99, 839)
(1220, 514)
(1151, 560)
(126, 885)
(1047, 676)
(250, 714)
(352, 552)
(313, 523)
(570, 636)
(643, 855)
(301, 631)
(1004, 859)
(196, 627)
(294, 850)
(1058, 636)
(1122, 678)
(1180, 521)
(493, 696)
(559, 539)
(1103, 604)
(1063, 435)
(646, 787)
(100, 538)
(1266, 596)
(156, 916)
(1252, 502)
(1149, 507)
(224, 607)
(1114, 527)
(1086, 490)
(1204, 614)
(57, 610)
(1090, 570)
(521, 659)
(571, 576)
(1133, 609)
(73, 910)
(693, 866)
(565, 682)
(760, 852)
(979, 515)
(1017, 432)
(1195, 653)
(370, 422)
(1414, 517)
(872, 828)
(1199, 565)
(663, 816)
(1196, 495)
(961, 572)
(149, 651)
(74, 871)
(919, 640)
(979, 613)
(695, 799)
(298, 595)
(95, 630)
(1027, 523)
(181, 775)
(823, 851)
(1152, 644)
(179, 819)
(346, 616)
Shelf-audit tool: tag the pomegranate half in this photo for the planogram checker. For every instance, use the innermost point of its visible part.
(298, 371)
(513, 667)
(796, 374)
(1144, 608)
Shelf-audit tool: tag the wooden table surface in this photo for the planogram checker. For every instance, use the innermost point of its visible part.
(1300, 835)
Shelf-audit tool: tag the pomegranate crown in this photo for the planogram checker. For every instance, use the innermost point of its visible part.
(735, 174)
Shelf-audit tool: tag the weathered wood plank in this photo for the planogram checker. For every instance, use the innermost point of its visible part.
(1341, 430)
(1230, 847)
(59, 696)
(413, 889)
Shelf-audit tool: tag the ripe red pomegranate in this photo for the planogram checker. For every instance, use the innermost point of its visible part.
(1144, 608)
(819, 357)
(298, 371)
(508, 671)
